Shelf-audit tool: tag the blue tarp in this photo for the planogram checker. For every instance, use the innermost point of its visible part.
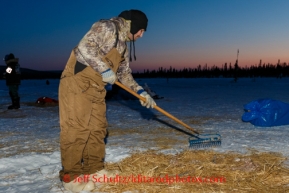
(266, 113)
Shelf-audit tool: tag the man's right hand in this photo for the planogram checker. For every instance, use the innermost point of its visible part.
(108, 76)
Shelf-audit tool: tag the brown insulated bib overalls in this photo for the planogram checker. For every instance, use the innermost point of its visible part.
(82, 112)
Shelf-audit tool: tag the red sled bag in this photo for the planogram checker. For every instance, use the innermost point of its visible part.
(46, 100)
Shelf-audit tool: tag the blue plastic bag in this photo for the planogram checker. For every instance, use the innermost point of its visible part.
(266, 113)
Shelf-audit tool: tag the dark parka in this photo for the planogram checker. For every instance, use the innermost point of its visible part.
(14, 77)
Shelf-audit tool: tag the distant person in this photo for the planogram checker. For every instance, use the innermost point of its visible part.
(100, 58)
(13, 79)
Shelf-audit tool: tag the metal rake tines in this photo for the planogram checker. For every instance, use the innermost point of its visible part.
(205, 141)
(205, 145)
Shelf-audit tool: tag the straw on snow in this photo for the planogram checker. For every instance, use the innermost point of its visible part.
(199, 171)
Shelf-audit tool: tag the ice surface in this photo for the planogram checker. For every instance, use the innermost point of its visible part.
(29, 141)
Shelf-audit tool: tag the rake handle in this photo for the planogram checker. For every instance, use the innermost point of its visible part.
(156, 107)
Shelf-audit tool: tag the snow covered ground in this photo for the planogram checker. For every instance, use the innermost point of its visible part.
(29, 140)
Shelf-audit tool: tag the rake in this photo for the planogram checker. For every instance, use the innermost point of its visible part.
(197, 140)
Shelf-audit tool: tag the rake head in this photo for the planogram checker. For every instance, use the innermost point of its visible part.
(205, 141)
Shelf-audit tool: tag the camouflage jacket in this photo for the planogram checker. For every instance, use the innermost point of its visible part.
(99, 40)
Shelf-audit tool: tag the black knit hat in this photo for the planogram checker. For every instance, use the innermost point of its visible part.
(138, 20)
(9, 57)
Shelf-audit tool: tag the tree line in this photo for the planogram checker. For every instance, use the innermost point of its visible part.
(278, 70)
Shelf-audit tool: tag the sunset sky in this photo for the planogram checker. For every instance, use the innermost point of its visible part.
(180, 33)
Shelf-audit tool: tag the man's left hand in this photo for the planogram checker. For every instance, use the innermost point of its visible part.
(149, 103)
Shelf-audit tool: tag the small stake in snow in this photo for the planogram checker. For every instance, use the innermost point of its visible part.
(197, 140)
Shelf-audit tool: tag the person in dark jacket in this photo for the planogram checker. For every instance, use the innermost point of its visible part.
(13, 79)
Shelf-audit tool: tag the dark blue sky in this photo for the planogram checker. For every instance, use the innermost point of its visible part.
(180, 33)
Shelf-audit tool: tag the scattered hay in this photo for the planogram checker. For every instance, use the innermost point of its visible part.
(162, 142)
(160, 138)
(147, 131)
(13, 145)
(120, 132)
(199, 171)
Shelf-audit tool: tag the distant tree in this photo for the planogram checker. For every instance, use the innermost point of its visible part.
(236, 71)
